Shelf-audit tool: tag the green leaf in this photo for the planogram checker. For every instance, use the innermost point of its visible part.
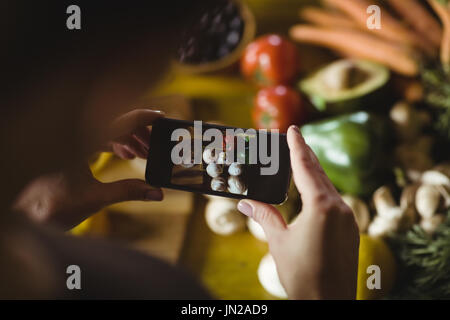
(424, 263)
(437, 95)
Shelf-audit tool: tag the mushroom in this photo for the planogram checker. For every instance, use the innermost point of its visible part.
(218, 184)
(223, 218)
(236, 185)
(360, 211)
(439, 175)
(390, 217)
(413, 175)
(210, 155)
(214, 170)
(385, 204)
(380, 227)
(428, 200)
(256, 230)
(235, 169)
(431, 224)
(268, 277)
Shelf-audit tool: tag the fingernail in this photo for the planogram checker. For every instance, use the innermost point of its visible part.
(295, 128)
(245, 208)
(155, 195)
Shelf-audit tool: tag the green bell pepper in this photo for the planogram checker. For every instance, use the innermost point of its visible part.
(350, 149)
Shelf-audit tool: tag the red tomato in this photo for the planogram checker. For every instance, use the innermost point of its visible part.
(278, 108)
(270, 60)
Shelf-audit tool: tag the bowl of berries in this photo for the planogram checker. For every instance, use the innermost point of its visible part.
(216, 38)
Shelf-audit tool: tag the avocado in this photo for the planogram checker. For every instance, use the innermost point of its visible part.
(346, 85)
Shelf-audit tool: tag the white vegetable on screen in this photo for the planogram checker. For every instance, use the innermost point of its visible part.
(214, 170)
(236, 185)
(218, 184)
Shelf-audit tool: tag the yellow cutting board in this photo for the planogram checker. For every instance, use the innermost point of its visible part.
(175, 202)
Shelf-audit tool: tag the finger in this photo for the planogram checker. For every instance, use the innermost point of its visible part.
(305, 170)
(322, 173)
(143, 136)
(127, 190)
(266, 215)
(134, 146)
(122, 151)
(131, 121)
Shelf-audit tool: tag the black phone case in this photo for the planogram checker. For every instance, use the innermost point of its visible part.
(270, 189)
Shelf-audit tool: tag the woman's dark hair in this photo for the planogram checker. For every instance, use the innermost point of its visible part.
(35, 38)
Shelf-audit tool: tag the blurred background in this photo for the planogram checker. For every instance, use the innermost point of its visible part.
(374, 106)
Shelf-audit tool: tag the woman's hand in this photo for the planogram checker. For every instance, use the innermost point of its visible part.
(317, 254)
(68, 197)
(129, 134)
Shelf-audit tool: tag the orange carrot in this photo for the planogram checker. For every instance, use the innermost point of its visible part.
(418, 16)
(326, 18)
(444, 14)
(391, 29)
(358, 44)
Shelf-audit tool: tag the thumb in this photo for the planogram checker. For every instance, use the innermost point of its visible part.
(127, 190)
(266, 215)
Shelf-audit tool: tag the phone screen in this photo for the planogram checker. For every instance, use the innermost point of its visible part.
(219, 160)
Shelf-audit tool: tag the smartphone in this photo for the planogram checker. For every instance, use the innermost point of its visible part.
(217, 160)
